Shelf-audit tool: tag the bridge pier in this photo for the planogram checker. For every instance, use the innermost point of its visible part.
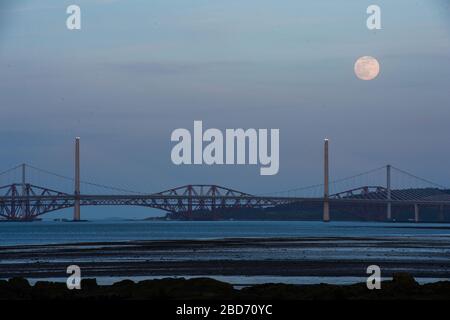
(326, 203)
(76, 210)
(416, 213)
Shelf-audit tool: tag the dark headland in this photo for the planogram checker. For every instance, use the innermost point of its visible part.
(403, 286)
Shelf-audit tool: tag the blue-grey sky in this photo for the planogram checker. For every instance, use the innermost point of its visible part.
(140, 69)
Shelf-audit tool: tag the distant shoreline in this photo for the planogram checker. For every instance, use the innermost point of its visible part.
(164, 219)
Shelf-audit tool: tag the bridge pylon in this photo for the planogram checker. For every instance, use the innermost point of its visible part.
(326, 191)
(25, 193)
(388, 193)
(76, 210)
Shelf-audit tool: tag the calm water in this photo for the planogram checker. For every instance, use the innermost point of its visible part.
(12, 233)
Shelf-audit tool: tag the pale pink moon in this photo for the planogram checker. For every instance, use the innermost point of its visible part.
(367, 68)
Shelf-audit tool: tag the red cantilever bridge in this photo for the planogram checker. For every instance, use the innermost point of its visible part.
(25, 200)
(187, 199)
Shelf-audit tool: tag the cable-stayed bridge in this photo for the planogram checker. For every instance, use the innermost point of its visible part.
(28, 192)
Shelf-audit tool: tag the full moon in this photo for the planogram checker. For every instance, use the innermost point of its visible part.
(367, 68)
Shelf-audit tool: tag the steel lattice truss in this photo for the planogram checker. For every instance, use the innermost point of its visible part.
(27, 202)
(18, 203)
(381, 193)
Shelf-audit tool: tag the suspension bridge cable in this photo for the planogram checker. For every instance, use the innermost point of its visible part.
(419, 178)
(9, 170)
(331, 182)
(84, 182)
(292, 190)
(358, 175)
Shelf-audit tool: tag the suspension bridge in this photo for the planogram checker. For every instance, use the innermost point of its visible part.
(26, 194)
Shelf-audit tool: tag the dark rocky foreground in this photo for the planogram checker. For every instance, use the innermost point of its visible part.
(403, 286)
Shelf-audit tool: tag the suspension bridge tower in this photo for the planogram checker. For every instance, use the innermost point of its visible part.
(76, 211)
(25, 202)
(326, 192)
(388, 193)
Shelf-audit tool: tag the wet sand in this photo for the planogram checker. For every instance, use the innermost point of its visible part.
(340, 257)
